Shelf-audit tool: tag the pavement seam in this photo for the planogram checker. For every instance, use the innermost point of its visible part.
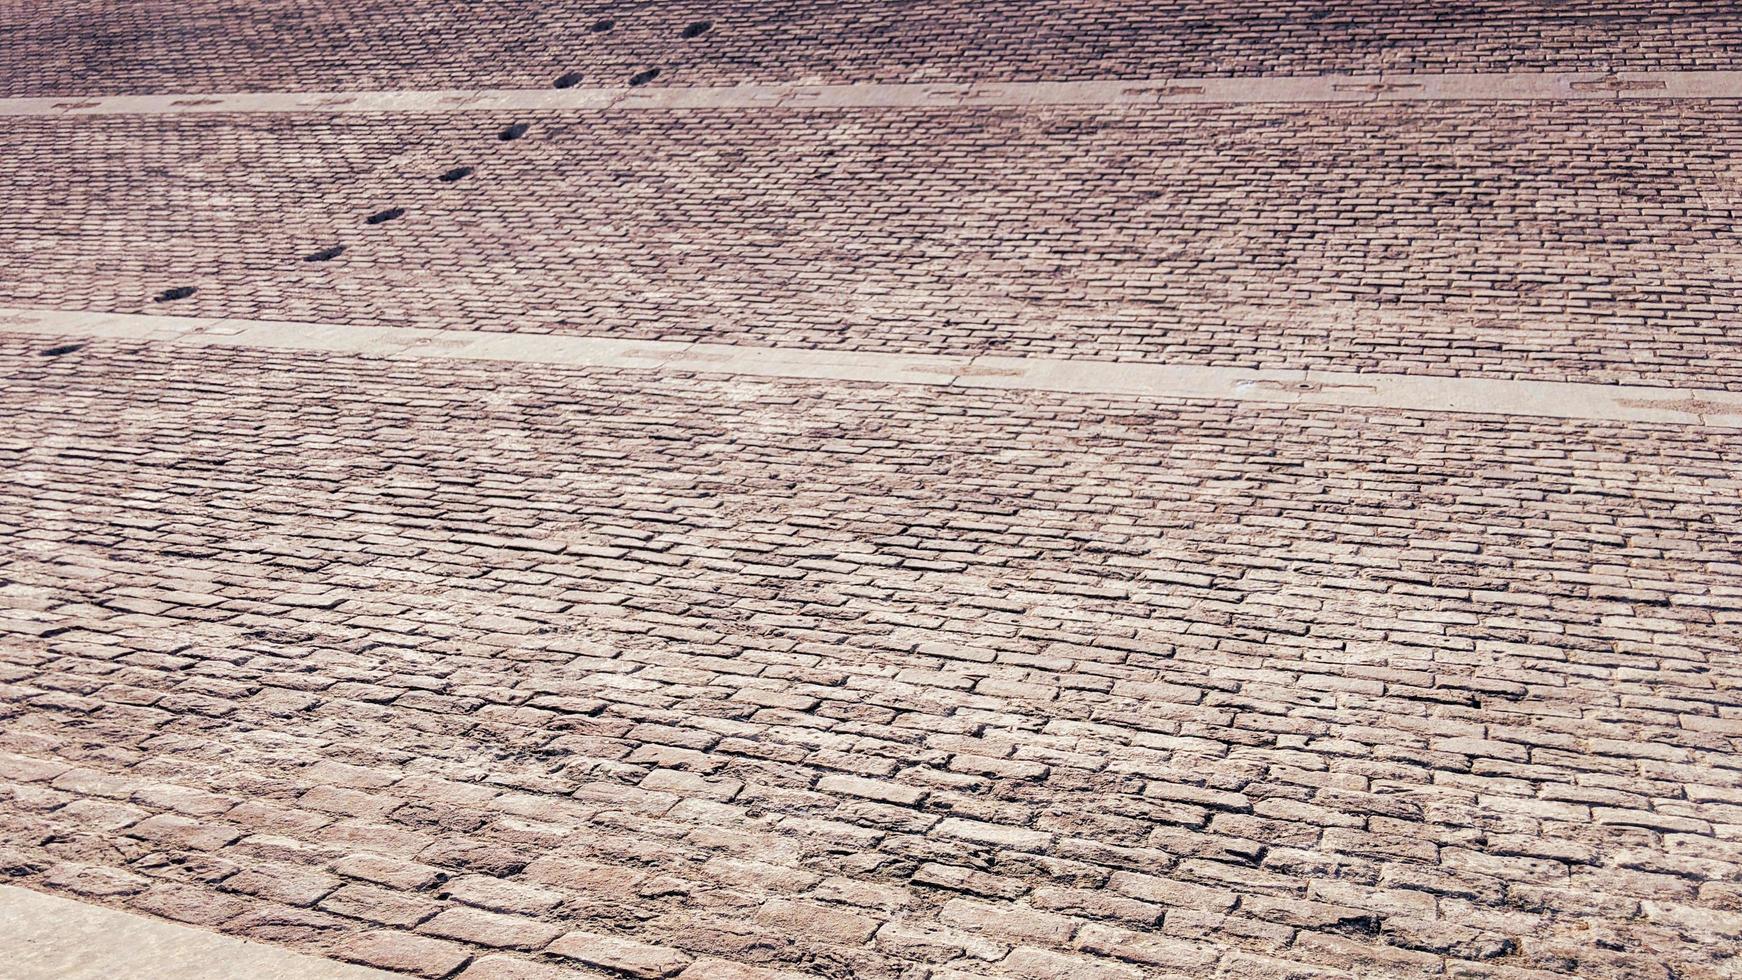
(1692, 407)
(1372, 89)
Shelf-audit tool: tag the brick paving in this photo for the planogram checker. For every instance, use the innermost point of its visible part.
(79, 47)
(407, 662)
(68, 331)
(518, 671)
(1564, 241)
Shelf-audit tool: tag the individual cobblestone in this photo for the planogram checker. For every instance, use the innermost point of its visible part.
(1551, 241)
(514, 670)
(73, 47)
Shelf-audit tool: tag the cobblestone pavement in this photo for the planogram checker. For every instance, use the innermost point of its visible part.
(74, 47)
(506, 670)
(1571, 241)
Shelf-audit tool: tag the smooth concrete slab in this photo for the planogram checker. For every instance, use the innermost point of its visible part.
(1502, 87)
(98, 324)
(1417, 393)
(46, 937)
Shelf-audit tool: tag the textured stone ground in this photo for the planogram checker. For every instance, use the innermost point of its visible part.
(69, 47)
(1542, 240)
(52, 937)
(518, 672)
(865, 680)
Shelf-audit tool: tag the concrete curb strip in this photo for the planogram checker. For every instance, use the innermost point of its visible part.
(1462, 395)
(1347, 89)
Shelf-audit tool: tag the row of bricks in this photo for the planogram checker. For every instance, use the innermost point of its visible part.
(1543, 241)
(601, 577)
(57, 48)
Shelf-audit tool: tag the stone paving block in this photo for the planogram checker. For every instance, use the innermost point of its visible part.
(625, 956)
(491, 929)
(203, 46)
(1203, 812)
(341, 613)
(403, 953)
(1405, 239)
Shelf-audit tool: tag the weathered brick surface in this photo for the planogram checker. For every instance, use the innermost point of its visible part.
(1552, 241)
(703, 676)
(82, 47)
(506, 672)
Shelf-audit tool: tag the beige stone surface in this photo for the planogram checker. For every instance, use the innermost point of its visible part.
(46, 937)
(1515, 87)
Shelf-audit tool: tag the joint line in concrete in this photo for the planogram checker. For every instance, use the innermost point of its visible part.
(1416, 393)
(1329, 89)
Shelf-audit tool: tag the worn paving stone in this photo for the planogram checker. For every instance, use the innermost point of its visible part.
(54, 47)
(1551, 241)
(869, 680)
(517, 672)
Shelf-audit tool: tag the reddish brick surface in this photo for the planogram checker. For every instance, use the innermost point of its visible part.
(84, 47)
(1582, 242)
(508, 672)
(404, 954)
(1011, 685)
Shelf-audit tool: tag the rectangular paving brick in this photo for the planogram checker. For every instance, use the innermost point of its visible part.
(1348, 689)
(1544, 240)
(56, 46)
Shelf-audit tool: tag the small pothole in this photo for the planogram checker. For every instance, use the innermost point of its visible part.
(458, 173)
(382, 217)
(698, 28)
(513, 132)
(641, 78)
(569, 80)
(600, 27)
(62, 349)
(325, 254)
(174, 293)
